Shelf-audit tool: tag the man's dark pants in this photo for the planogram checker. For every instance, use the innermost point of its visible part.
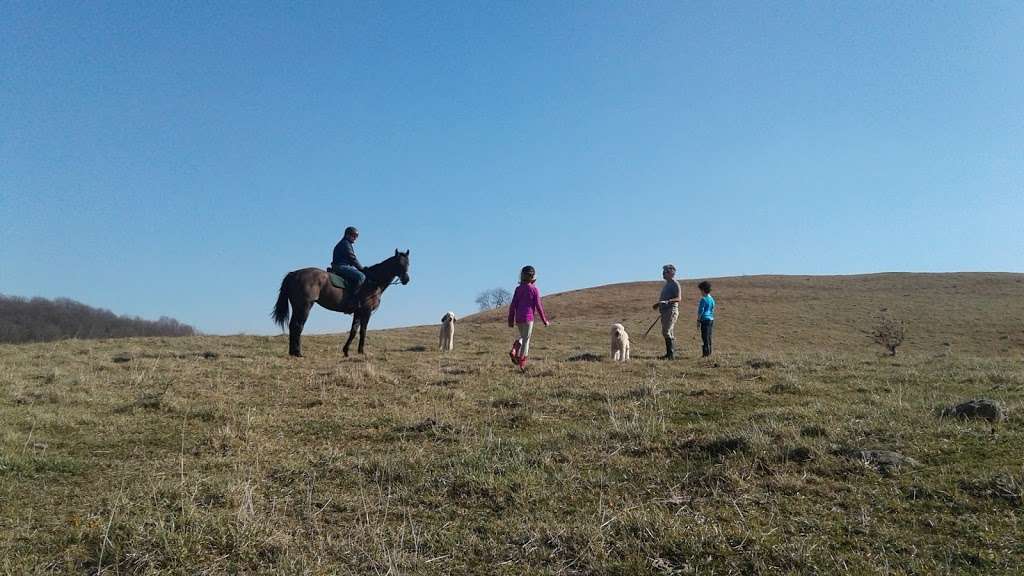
(355, 280)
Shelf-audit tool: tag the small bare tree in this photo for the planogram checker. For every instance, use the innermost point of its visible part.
(493, 298)
(483, 301)
(501, 297)
(889, 333)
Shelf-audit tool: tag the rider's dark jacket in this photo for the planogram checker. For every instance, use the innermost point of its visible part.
(344, 255)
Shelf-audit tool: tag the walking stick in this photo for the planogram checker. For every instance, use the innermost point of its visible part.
(651, 326)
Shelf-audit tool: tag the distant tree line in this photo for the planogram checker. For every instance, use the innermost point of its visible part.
(42, 320)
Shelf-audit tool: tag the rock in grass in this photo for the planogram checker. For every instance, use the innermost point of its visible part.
(886, 461)
(980, 408)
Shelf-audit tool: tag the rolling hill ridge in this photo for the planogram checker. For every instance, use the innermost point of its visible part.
(969, 313)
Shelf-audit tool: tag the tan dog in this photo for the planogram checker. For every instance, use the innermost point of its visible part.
(620, 343)
(447, 339)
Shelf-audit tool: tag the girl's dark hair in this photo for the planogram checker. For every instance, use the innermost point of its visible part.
(705, 286)
(527, 273)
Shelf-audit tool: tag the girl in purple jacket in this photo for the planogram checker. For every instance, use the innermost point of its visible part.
(525, 302)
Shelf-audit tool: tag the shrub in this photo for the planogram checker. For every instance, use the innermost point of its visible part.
(889, 332)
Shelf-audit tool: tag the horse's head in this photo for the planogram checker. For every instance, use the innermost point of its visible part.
(402, 265)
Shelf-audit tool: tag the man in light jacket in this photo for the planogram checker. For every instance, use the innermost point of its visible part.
(668, 305)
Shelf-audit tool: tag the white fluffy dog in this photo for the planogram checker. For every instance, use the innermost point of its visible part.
(448, 331)
(620, 343)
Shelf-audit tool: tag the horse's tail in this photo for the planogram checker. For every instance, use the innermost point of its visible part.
(280, 313)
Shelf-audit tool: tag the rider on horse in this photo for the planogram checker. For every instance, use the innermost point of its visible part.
(345, 264)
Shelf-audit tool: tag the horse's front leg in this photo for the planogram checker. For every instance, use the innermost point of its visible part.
(352, 335)
(364, 319)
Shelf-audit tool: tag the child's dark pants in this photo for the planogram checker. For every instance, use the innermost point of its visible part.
(706, 328)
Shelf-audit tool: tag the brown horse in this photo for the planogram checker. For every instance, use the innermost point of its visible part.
(304, 287)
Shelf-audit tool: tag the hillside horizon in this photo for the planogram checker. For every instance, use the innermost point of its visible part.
(969, 312)
(781, 312)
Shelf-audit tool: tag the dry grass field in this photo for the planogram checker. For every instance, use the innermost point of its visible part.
(222, 455)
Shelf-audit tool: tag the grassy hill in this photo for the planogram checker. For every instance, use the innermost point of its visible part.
(224, 456)
(970, 313)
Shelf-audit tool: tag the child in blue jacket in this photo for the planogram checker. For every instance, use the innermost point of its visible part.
(706, 317)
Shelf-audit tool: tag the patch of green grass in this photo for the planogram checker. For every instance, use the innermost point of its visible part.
(40, 468)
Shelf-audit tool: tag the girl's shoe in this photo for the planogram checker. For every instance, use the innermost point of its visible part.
(522, 363)
(514, 353)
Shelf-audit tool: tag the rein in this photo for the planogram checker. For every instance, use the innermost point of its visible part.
(383, 285)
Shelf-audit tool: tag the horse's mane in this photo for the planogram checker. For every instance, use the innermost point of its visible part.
(378, 271)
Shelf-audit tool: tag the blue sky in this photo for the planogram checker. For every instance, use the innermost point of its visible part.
(179, 158)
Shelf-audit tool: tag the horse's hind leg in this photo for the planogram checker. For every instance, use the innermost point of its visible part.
(351, 334)
(364, 319)
(300, 312)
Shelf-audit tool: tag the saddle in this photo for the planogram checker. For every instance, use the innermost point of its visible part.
(338, 281)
